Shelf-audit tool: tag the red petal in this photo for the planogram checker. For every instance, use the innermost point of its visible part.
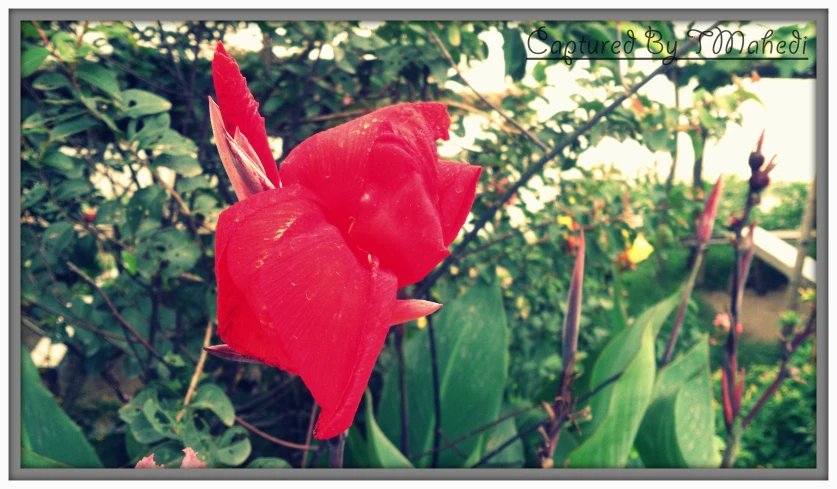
(246, 176)
(412, 309)
(457, 189)
(378, 178)
(240, 109)
(292, 293)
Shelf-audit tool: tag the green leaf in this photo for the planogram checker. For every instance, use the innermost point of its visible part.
(512, 455)
(57, 237)
(58, 160)
(33, 196)
(233, 447)
(213, 398)
(32, 460)
(678, 430)
(51, 81)
(618, 408)
(138, 103)
(32, 59)
(182, 164)
(269, 463)
(472, 352)
(382, 453)
(697, 144)
(98, 76)
(130, 261)
(514, 52)
(73, 126)
(51, 434)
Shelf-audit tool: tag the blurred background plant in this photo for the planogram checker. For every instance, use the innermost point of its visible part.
(122, 187)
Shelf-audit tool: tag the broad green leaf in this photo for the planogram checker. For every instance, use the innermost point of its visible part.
(51, 434)
(382, 453)
(269, 463)
(138, 103)
(98, 76)
(678, 430)
(58, 160)
(618, 408)
(356, 454)
(32, 59)
(182, 164)
(233, 447)
(32, 460)
(73, 126)
(32, 196)
(212, 397)
(510, 456)
(472, 353)
(51, 81)
(514, 52)
(57, 237)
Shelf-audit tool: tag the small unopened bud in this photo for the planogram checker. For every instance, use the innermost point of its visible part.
(759, 181)
(710, 211)
(756, 157)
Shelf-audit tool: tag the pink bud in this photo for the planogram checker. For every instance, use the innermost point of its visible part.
(190, 461)
(710, 210)
(147, 463)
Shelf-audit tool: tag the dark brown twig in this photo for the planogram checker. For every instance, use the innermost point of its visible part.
(125, 324)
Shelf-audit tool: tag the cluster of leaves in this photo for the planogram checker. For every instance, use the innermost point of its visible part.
(122, 188)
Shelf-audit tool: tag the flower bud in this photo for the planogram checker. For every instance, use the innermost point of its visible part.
(756, 157)
(759, 181)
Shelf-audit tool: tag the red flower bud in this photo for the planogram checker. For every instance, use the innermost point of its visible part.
(759, 181)
(89, 216)
(756, 157)
(710, 210)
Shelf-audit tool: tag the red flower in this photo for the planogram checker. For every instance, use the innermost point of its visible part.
(308, 262)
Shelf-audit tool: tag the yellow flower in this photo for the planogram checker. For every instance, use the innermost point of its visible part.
(421, 322)
(640, 250)
(571, 200)
(565, 221)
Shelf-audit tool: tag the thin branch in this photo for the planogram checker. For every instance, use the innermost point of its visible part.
(536, 167)
(508, 442)
(272, 438)
(798, 340)
(511, 120)
(314, 410)
(477, 431)
(198, 371)
(125, 324)
(437, 402)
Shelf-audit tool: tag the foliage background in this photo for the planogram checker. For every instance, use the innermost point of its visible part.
(122, 187)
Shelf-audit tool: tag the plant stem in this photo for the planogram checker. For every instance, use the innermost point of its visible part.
(198, 371)
(437, 403)
(684, 302)
(402, 385)
(335, 451)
